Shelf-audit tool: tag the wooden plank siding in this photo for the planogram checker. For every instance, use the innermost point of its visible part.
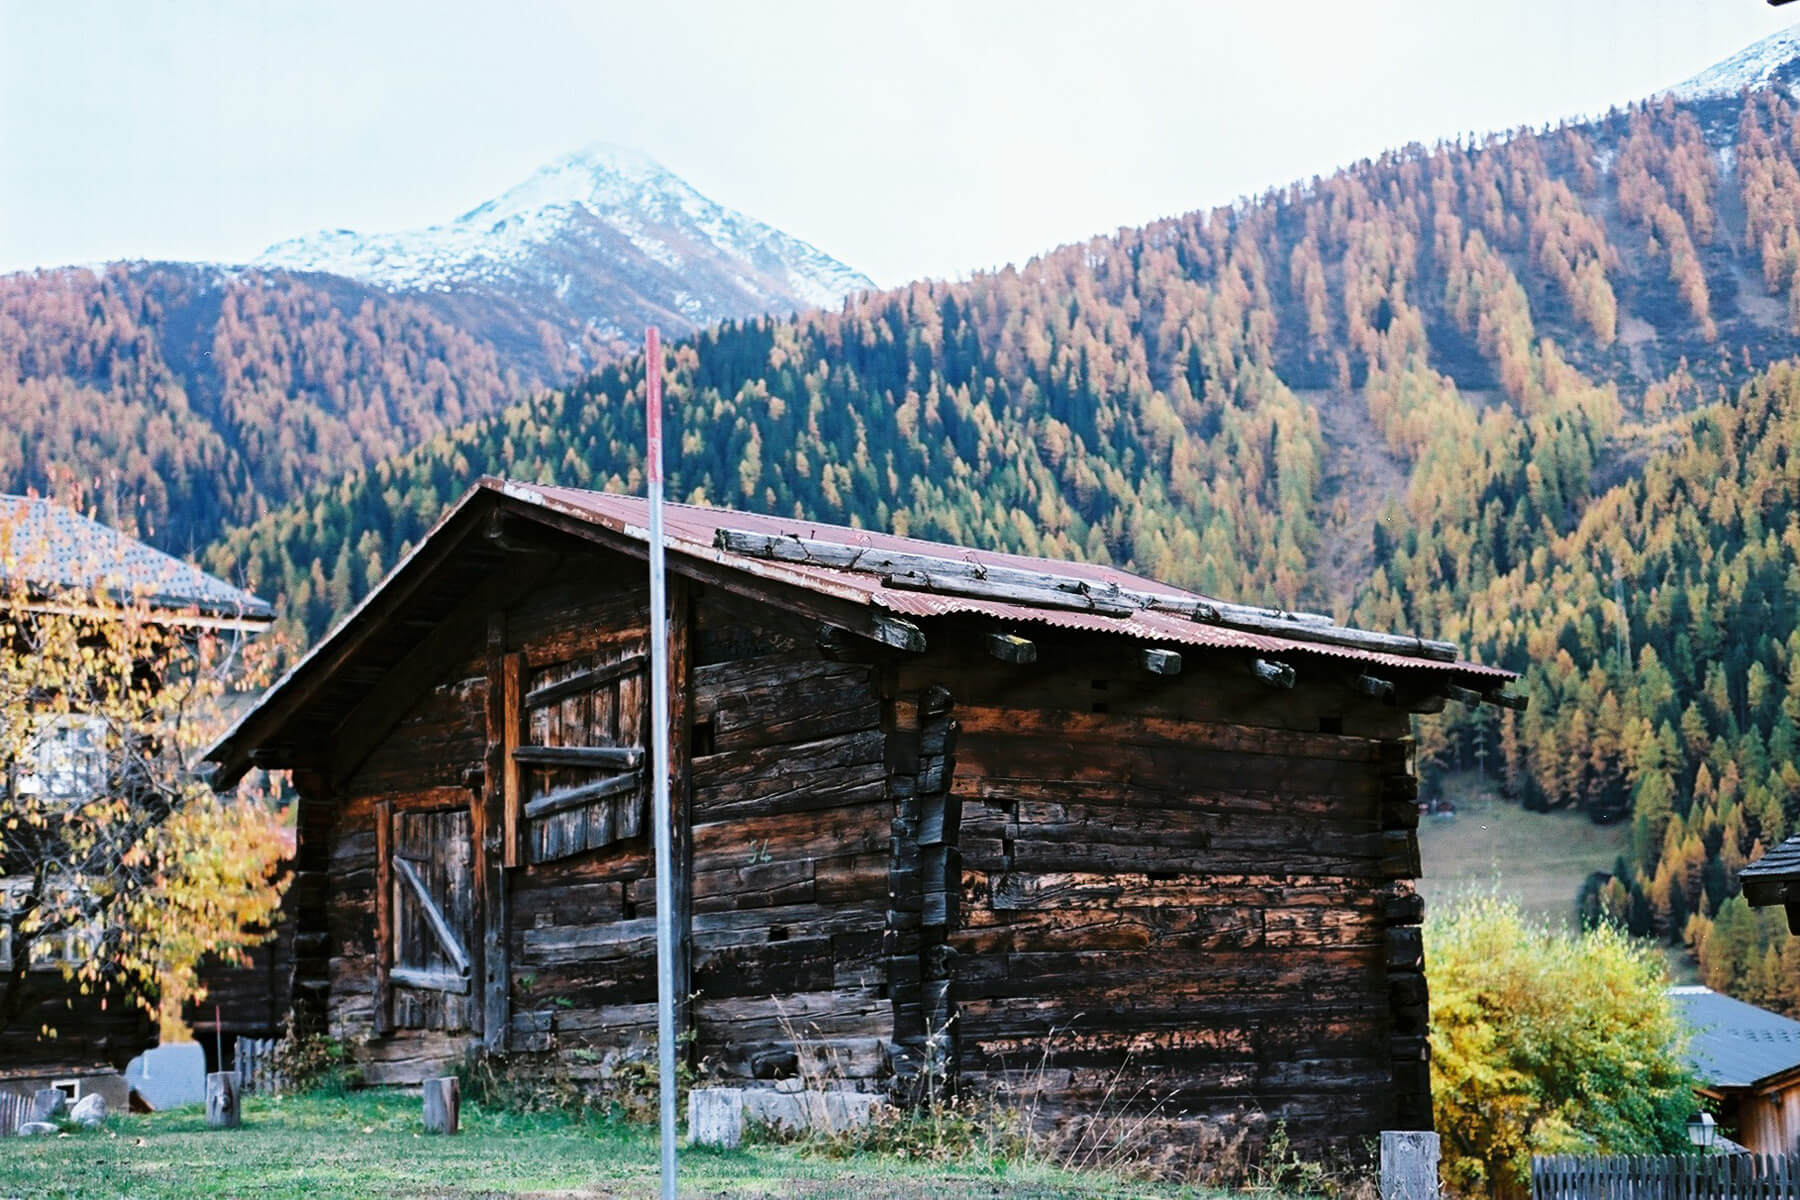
(791, 831)
(1175, 901)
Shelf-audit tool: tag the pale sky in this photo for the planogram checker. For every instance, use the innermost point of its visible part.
(908, 139)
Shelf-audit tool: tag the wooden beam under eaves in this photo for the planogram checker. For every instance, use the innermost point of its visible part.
(1275, 674)
(1009, 648)
(1161, 662)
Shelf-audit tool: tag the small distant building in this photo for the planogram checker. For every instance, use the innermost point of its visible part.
(1747, 1061)
(50, 549)
(1775, 879)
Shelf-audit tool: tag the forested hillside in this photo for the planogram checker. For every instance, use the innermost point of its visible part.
(181, 400)
(1489, 392)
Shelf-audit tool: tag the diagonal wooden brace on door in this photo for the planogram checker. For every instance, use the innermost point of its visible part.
(434, 916)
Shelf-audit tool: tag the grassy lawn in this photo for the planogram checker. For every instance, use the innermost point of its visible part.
(372, 1144)
(1540, 859)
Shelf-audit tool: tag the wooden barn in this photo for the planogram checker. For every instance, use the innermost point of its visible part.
(942, 815)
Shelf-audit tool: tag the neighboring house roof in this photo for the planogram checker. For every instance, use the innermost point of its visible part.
(1095, 598)
(52, 547)
(1735, 1045)
(1775, 877)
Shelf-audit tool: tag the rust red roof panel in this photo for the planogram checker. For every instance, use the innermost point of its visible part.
(691, 530)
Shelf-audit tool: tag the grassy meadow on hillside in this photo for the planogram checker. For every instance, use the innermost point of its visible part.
(1494, 846)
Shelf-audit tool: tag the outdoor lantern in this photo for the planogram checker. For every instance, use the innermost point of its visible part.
(1702, 1129)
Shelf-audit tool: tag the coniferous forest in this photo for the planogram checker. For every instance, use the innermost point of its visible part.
(1532, 394)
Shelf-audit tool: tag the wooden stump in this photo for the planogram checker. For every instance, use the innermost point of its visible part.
(221, 1100)
(443, 1102)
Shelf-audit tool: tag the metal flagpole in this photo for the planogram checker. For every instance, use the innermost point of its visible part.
(659, 764)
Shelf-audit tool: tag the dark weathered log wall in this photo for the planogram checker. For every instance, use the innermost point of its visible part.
(582, 905)
(1176, 894)
(791, 848)
(1182, 897)
(103, 1026)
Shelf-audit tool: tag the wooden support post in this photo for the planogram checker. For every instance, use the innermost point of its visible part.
(383, 1016)
(222, 1101)
(443, 1104)
(1010, 649)
(1275, 674)
(1161, 662)
(491, 849)
(1379, 689)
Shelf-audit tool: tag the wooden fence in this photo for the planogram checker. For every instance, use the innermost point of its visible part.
(13, 1109)
(1666, 1177)
(253, 1063)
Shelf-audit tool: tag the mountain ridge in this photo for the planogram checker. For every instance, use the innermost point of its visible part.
(1770, 61)
(617, 210)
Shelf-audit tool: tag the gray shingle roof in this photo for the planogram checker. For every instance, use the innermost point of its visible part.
(1735, 1044)
(1778, 866)
(49, 546)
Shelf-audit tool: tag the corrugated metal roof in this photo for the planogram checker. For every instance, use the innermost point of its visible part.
(47, 545)
(1735, 1045)
(691, 530)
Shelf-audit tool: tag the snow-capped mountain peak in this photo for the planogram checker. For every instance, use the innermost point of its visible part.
(578, 231)
(1772, 62)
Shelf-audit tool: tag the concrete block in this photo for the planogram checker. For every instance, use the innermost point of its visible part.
(1409, 1165)
(716, 1117)
(170, 1076)
(47, 1104)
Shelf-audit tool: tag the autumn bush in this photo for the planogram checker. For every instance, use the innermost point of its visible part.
(1547, 1042)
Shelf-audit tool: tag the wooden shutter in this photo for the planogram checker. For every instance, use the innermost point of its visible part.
(577, 772)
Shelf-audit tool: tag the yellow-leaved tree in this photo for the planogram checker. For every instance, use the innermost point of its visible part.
(119, 867)
(1547, 1042)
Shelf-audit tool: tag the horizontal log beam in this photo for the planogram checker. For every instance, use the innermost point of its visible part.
(904, 569)
(585, 681)
(1009, 648)
(1378, 689)
(1304, 627)
(929, 572)
(1161, 662)
(1503, 700)
(587, 793)
(618, 758)
(430, 980)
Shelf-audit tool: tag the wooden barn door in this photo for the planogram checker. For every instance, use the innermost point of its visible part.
(432, 907)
